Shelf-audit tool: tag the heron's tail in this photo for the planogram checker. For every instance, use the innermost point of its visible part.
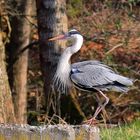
(124, 80)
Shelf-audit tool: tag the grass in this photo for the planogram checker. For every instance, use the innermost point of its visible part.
(125, 132)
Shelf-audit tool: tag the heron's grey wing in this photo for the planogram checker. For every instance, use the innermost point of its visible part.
(95, 75)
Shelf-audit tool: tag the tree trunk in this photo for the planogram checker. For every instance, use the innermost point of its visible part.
(52, 20)
(20, 38)
(6, 105)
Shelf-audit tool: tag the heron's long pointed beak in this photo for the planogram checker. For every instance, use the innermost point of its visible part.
(57, 38)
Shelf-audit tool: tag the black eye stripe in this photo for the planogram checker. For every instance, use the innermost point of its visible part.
(73, 32)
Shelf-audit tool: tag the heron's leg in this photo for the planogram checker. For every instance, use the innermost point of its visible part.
(98, 100)
(99, 109)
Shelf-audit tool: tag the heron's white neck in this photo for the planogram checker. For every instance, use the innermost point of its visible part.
(77, 45)
(68, 52)
(64, 67)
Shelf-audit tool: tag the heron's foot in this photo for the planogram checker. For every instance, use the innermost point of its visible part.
(91, 121)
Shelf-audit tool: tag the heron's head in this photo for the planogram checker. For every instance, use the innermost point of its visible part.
(69, 35)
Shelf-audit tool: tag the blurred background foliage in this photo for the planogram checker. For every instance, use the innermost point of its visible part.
(111, 30)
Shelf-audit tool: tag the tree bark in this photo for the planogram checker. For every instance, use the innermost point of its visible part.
(6, 105)
(20, 38)
(52, 20)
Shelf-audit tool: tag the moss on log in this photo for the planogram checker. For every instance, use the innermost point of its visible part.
(48, 132)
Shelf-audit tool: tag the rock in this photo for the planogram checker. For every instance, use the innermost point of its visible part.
(49, 132)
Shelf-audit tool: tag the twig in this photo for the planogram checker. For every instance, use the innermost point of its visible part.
(31, 22)
(63, 121)
(119, 114)
(115, 47)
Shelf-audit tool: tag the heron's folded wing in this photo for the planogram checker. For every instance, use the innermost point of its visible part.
(95, 74)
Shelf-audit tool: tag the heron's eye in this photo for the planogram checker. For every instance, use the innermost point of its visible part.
(69, 33)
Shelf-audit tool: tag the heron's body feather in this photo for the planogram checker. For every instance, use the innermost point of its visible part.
(95, 75)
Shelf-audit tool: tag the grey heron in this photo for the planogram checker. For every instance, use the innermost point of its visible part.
(89, 75)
